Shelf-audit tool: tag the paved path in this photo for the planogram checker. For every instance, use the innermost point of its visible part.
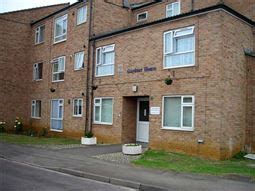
(20, 177)
(80, 159)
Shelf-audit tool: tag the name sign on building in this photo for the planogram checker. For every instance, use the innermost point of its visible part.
(155, 110)
(137, 70)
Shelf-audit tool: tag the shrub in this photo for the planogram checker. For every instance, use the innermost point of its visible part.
(2, 126)
(18, 125)
(89, 134)
(43, 132)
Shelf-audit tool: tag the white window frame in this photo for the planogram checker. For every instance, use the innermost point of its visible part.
(63, 34)
(38, 31)
(62, 118)
(33, 105)
(55, 61)
(85, 19)
(192, 104)
(172, 8)
(101, 51)
(78, 99)
(35, 67)
(141, 20)
(100, 113)
(75, 60)
(171, 52)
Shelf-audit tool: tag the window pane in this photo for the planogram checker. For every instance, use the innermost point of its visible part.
(38, 109)
(106, 115)
(187, 116)
(172, 112)
(61, 76)
(176, 8)
(105, 70)
(33, 110)
(54, 110)
(108, 58)
(55, 67)
(187, 100)
(97, 113)
(60, 112)
(59, 28)
(180, 59)
(79, 60)
(81, 15)
(40, 68)
(184, 44)
(42, 31)
(168, 42)
(144, 111)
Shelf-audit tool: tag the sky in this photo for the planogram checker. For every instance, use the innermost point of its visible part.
(14, 5)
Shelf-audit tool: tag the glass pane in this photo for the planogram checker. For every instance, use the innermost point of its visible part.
(108, 58)
(142, 16)
(172, 112)
(40, 69)
(176, 8)
(168, 42)
(81, 15)
(54, 109)
(61, 76)
(106, 115)
(60, 112)
(59, 28)
(38, 109)
(55, 67)
(42, 31)
(184, 44)
(187, 116)
(97, 113)
(187, 100)
(105, 70)
(79, 60)
(144, 111)
(33, 111)
(180, 59)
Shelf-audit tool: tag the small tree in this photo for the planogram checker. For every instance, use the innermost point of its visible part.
(18, 125)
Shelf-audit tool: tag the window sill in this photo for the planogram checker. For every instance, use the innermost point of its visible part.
(80, 69)
(108, 75)
(55, 130)
(39, 43)
(38, 118)
(59, 41)
(77, 116)
(176, 67)
(58, 81)
(98, 123)
(37, 80)
(81, 23)
(178, 129)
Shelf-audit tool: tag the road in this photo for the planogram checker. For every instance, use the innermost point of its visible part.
(20, 177)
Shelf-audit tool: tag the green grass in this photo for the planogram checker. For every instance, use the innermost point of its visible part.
(184, 163)
(28, 140)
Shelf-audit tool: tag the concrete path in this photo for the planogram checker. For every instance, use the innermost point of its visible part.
(79, 162)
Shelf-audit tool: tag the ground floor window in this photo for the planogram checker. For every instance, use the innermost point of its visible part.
(77, 107)
(103, 110)
(178, 112)
(57, 110)
(36, 109)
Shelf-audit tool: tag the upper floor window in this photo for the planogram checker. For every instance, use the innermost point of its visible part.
(39, 34)
(37, 71)
(173, 9)
(36, 109)
(58, 69)
(79, 60)
(81, 15)
(142, 16)
(179, 48)
(77, 107)
(60, 30)
(105, 60)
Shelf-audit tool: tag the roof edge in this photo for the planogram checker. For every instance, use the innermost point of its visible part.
(34, 8)
(188, 14)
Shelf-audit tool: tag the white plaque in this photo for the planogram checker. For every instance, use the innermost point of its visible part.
(155, 110)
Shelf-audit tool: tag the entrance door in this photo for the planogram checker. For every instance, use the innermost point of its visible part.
(142, 129)
(57, 106)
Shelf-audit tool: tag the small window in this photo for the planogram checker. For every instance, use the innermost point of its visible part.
(60, 31)
(79, 60)
(105, 60)
(39, 34)
(103, 110)
(142, 16)
(178, 112)
(179, 48)
(173, 9)
(36, 109)
(37, 71)
(58, 68)
(77, 107)
(81, 15)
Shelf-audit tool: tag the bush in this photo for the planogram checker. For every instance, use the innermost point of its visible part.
(43, 132)
(18, 125)
(89, 134)
(2, 126)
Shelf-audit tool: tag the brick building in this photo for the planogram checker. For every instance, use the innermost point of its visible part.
(178, 74)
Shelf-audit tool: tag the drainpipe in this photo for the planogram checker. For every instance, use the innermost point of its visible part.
(192, 5)
(88, 68)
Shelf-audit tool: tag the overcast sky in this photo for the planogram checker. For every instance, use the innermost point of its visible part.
(13, 5)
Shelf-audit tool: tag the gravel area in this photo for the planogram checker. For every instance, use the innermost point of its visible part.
(57, 147)
(119, 157)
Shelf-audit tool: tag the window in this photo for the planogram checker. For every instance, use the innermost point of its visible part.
(81, 15)
(79, 60)
(103, 110)
(60, 29)
(173, 9)
(105, 60)
(58, 69)
(39, 34)
(142, 16)
(77, 107)
(37, 71)
(178, 112)
(57, 110)
(179, 48)
(36, 109)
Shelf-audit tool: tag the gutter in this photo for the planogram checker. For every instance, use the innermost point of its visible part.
(177, 17)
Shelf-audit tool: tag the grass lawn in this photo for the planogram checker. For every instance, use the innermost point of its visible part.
(28, 140)
(184, 163)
